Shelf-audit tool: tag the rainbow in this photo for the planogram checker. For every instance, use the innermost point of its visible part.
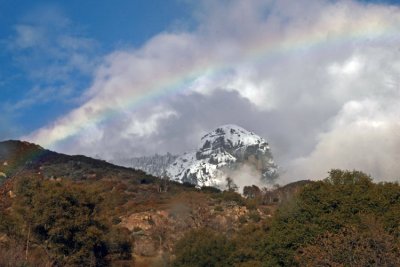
(258, 51)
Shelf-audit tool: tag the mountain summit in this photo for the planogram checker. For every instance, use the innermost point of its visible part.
(225, 152)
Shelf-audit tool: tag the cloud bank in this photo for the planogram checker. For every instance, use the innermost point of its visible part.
(318, 79)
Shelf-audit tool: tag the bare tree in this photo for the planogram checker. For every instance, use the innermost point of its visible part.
(163, 184)
(230, 185)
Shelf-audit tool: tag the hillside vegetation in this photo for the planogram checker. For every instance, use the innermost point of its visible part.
(59, 210)
(344, 220)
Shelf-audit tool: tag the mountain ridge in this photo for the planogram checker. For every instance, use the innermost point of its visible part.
(154, 165)
(221, 153)
(20, 156)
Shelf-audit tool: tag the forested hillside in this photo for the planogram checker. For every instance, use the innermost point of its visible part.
(344, 220)
(59, 210)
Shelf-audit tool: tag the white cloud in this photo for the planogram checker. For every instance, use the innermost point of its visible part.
(350, 67)
(147, 126)
(54, 56)
(364, 136)
(318, 79)
(242, 80)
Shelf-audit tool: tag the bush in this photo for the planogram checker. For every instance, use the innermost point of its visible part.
(137, 229)
(328, 223)
(218, 208)
(188, 185)
(210, 189)
(251, 204)
(203, 247)
(366, 244)
(254, 216)
(329, 206)
(65, 219)
(116, 220)
(242, 219)
(119, 244)
(231, 196)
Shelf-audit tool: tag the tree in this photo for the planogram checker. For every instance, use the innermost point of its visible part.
(63, 219)
(230, 185)
(163, 184)
(203, 247)
(365, 244)
(251, 191)
(26, 188)
(329, 206)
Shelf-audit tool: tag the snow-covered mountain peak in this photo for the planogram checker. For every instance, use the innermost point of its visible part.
(221, 153)
(230, 135)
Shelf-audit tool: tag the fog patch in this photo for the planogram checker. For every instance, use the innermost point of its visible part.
(246, 175)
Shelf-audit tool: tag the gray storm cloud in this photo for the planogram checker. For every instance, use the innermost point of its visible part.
(331, 103)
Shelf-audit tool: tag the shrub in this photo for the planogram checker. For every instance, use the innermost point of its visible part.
(210, 189)
(203, 247)
(231, 196)
(251, 204)
(137, 229)
(254, 216)
(242, 219)
(329, 206)
(64, 218)
(366, 244)
(218, 208)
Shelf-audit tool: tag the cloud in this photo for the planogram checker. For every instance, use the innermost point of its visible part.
(38, 95)
(364, 136)
(318, 79)
(247, 175)
(55, 56)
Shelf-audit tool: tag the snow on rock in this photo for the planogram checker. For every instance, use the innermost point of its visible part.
(222, 152)
(154, 165)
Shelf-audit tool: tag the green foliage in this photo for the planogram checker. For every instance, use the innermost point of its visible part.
(366, 244)
(64, 219)
(219, 208)
(210, 189)
(201, 248)
(137, 229)
(242, 219)
(2, 179)
(324, 225)
(254, 216)
(231, 196)
(329, 205)
(252, 204)
(118, 246)
(251, 191)
(344, 220)
(248, 247)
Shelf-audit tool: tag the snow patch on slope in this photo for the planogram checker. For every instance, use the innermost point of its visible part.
(221, 153)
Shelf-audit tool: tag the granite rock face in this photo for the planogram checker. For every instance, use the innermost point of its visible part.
(221, 153)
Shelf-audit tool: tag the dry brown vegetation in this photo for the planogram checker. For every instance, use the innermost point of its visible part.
(63, 210)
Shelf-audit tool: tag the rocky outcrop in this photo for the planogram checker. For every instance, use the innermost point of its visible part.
(221, 153)
(156, 231)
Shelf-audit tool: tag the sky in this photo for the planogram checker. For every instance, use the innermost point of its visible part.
(318, 79)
